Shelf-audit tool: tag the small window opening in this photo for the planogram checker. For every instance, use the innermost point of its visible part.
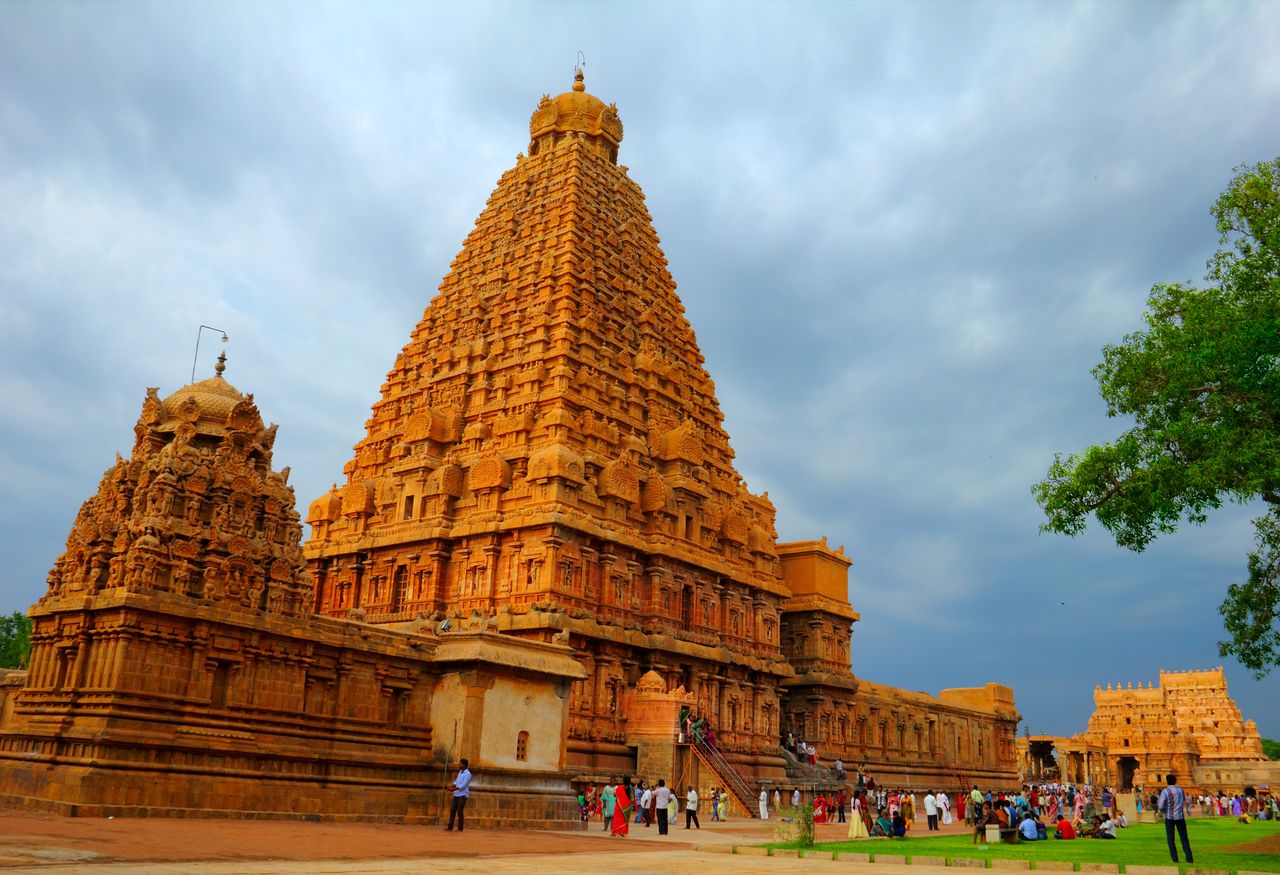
(522, 746)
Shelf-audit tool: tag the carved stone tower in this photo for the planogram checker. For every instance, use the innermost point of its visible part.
(548, 449)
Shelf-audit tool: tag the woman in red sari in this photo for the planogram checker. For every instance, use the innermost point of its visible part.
(622, 807)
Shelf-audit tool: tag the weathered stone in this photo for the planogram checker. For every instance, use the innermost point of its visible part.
(852, 857)
(1099, 867)
(967, 862)
(888, 858)
(1010, 864)
(1055, 865)
(1151, 870)
(750, 851)
(921, 860)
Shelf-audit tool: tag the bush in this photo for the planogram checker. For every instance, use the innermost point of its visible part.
(796, 826)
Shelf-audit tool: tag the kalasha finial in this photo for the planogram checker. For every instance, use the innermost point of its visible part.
(578, 84)
(222, 363)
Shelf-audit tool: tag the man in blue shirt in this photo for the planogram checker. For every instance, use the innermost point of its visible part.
(1028, 828)
(1172, 805)
(461, 788)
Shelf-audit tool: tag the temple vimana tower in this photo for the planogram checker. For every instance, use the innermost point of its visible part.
(544, 500)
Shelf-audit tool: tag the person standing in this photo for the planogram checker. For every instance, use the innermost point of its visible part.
(764, 803)
(646, 797)
(777, 800)
(622, 806)
(931, 810)
(691, 809)
(795, 797)
(608, 799)
(461, 788)
(842, 799)
(1172, 805)
(944, 807)
(662, 798)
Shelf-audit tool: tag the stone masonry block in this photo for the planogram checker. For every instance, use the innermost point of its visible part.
(890, 858)
(922, 860)
(853, 857)
(1010, 864)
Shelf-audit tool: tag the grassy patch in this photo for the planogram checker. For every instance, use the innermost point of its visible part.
(1142, 844)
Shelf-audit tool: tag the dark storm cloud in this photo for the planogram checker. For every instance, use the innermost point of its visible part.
(902, 233)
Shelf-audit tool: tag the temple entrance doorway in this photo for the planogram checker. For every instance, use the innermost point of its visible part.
(1127, 767)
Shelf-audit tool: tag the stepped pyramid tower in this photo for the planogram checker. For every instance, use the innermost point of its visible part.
(548, 454)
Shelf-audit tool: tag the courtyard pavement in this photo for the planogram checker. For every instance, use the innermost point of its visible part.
(35, 844)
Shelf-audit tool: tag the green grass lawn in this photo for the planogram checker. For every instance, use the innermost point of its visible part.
(1142, 844)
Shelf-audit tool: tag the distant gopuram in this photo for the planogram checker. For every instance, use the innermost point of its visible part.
(548, 451)
(1185, 725)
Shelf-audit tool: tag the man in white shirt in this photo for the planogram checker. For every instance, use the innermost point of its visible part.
(944, 807)
(461, 788)
(691, 809)
(645, 798)
(662, 798)
(764, 803)
(931, 809)
(795, 798)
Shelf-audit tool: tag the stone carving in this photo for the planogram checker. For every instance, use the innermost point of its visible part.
(179, 519)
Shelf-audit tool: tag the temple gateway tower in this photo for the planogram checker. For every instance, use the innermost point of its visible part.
(548, 456)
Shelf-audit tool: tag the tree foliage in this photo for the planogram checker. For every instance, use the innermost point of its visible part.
(1271, 748)
(1202, 384)
(15, 640)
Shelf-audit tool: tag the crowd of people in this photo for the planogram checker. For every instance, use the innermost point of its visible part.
(620, 804)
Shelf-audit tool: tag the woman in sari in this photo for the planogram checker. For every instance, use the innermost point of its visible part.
(820, 809)
(859, 828)
(622, 807)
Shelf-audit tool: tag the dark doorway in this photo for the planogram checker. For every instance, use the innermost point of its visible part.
(1127, 766)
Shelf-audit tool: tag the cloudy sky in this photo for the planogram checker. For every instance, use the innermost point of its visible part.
(903, 232)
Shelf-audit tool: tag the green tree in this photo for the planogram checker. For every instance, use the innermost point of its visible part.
(1271, 748)
(1202, 384)
(15, 640)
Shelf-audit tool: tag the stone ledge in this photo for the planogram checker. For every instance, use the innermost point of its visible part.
(1100, 867)
(1191, 871)
(967, 862)
(1055, 865)
(921, 860)
(853, 857)
(785, 852)
(1010, 864)
(1151, 870)
(750, 851)
(714, 849)
(890, 858)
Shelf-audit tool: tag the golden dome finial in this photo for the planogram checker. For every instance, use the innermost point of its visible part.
(222, 363)
(578, 84)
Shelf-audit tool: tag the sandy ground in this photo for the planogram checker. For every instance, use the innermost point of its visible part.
(49, 845)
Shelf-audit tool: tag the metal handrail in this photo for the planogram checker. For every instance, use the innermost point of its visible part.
(734, 783)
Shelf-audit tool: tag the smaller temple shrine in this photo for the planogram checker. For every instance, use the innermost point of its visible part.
(1186, 725)
(176, 667)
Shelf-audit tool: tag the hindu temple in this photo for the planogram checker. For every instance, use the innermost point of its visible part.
(542, 523)
(1186, 724)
